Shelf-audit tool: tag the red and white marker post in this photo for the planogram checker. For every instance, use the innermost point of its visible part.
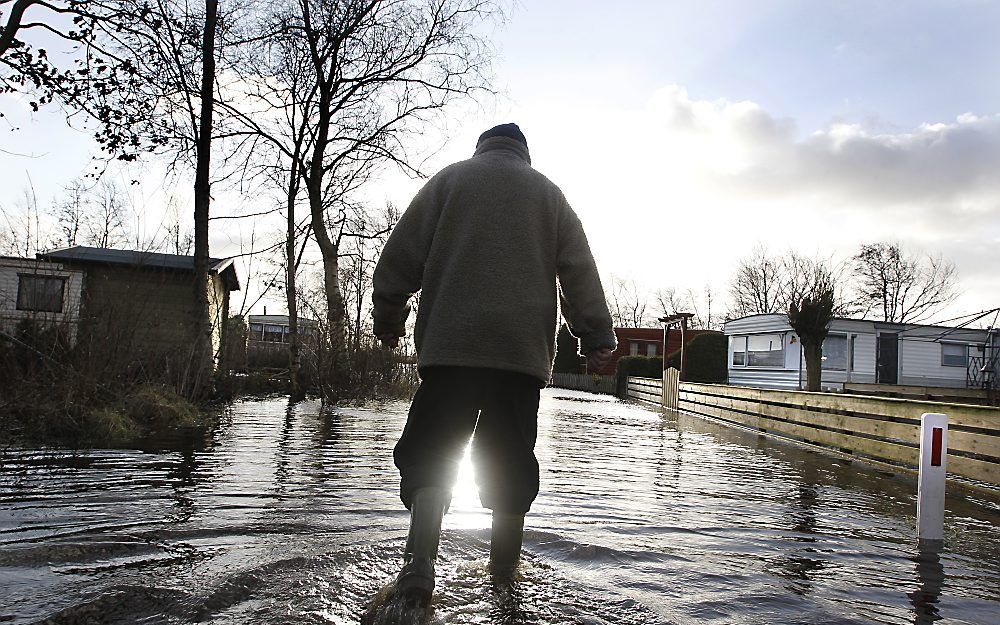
(931, 478)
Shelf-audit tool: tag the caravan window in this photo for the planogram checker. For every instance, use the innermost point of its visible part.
(40, 293)
(274, 334)
(765, 350)
(954, 355)
(835, 352)
(739, 351)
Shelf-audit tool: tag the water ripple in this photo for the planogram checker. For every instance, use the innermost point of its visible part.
(289, 514)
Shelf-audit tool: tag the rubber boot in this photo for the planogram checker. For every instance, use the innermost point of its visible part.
(416, 580)
(505, 543)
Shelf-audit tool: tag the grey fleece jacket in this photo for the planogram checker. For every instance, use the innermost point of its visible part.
(485, 241)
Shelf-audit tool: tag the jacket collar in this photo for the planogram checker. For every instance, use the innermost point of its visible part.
(507, 145)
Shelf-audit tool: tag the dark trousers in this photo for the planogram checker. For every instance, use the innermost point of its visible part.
(499, 409)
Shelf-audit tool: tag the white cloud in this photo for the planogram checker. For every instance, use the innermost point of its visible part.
(693, 184)
(950, 168)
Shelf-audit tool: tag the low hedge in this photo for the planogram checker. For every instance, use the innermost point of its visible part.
(640, 366)
(706, 361)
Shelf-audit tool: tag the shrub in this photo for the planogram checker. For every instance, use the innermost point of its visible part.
(159, 407)
(640, 366)
(706, 358)
(567, 352)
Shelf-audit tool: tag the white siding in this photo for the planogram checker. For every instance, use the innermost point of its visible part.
(921, 365)
(10, 316)
(764, 378)
(864, 358)
(758, 324)
(786, 377)
(919, 353)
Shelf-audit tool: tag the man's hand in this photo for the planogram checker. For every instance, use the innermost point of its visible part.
(597, 359)
(389, 340)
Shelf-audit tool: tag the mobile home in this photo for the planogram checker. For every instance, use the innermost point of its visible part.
(765, 352)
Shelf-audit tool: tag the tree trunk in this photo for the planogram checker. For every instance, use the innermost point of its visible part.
(201, 379)
(294, 356)
(359, 301)
(814, 365)
(336, 366)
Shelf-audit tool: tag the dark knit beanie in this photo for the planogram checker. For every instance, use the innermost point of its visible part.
(503, 130)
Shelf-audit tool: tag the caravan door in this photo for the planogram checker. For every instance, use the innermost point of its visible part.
(887, 358)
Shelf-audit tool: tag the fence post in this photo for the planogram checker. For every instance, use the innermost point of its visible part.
(931, 476)
(670, 388)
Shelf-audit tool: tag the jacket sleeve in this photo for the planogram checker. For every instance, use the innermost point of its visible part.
(580, 290)
(400, 268)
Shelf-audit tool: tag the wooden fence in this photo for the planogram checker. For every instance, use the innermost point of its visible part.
(870, 428)
(582, 382)
(644, 389)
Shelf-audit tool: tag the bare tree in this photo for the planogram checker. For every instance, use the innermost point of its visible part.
(810, 314)
(179, 238)
(902, 287)
(766, 283)
(23, 231)
(357, 271)
(670, 301)
(71, 212)
(758, 286)
(810, 277)
(628, 304)
(104, 222)
(344, 86)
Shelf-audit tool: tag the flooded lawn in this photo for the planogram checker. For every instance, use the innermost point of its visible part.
(291, 516)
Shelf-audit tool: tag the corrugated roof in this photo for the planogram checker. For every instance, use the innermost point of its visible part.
(138, 258)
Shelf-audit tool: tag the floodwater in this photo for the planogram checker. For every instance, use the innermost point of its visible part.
(290, 515)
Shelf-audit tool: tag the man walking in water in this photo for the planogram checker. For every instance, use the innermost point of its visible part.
(492, 245)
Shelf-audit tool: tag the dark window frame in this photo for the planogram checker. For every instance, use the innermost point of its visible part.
(23, 295)
(964, 364)
(847, 354)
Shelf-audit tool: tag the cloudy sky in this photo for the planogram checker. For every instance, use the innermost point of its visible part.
(684, 133)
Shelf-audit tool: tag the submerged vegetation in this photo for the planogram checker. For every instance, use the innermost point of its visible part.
(76, 395)
(93, 393)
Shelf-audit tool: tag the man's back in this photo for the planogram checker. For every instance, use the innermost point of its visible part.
(484, 241)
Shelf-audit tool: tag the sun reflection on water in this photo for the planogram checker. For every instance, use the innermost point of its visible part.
(466, 512)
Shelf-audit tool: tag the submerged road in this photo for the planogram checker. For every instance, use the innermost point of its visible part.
(290, 515)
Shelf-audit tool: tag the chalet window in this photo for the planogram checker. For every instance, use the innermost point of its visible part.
(257, 331)
(739, 351)
(40, 293)
(954, 355)
(633, 348)
(765, 350)
(274, 334)
(651, 349)
(835, 352)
